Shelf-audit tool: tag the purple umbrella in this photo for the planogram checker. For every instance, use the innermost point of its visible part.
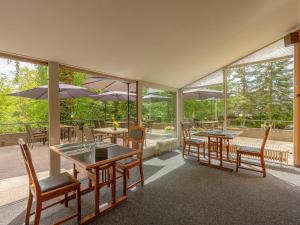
(66, 91)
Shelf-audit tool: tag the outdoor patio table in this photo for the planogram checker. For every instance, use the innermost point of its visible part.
(95, 159)
(69, 128)
(62, 128)
(219, 136)
(114, 133)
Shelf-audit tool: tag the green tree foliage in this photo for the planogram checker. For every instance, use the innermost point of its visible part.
(261, 91)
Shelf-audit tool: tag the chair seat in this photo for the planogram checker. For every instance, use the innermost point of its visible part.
(39, 134)
(57, 181)
(248, 149)
(197, 141)
(127, 161)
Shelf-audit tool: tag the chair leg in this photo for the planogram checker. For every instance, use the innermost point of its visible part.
(204, 150)
(141, 174)
(66, 200)
(189, 149)
(198, 152)
(263, 165)
(237, 162)
(29, 204)
(125, 182)
(128, 174)
(240, 159)
(38, 211)
(78, 203)
(90, 184)
(183, 150)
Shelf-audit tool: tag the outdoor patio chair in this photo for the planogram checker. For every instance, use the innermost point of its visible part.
(96, 124)
(135, 140)
(253, 151)
(48, 188)
(188, 141)
(32, 135)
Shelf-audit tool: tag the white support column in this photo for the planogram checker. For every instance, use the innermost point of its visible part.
(53, 115)
(297, 106)
(225, 98)
(180, 116)
(139, 102)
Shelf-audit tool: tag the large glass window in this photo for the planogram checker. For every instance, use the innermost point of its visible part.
(22, 115)
(158, 114)
(259, 94)
(106, 104)
(203, 102)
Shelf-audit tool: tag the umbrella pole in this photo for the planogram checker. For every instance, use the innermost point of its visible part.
(104, 112)
(216, 110)
(128, 109)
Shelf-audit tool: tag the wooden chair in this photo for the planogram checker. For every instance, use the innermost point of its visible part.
(188, 141)
(48, 188)
(34, 135)
(135, 140)
(253, 151)
(96, 124)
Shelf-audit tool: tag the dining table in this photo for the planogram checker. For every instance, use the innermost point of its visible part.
(113, 132)
(97, 161)
(63, 127)
(218, 138)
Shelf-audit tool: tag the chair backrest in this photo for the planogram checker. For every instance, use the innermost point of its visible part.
(29, 130)
(78, 133)
(136, 137)
(88, 133)
(185, 132)
(102, 124)
(96, 124)
(266, 136)
(29, 166)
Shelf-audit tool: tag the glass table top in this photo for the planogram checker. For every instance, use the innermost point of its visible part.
(91, 152)
(219, 133)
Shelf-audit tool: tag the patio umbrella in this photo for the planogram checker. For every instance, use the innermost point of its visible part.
(155, 98)
(66, 91)
(115, 96)
(109, 84)
(202, 93)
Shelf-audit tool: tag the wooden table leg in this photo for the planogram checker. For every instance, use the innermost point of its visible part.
(69, 134)
(114, 137)
(96, 190)
(227, 149)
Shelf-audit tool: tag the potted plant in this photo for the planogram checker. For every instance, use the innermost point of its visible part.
(115, 124)
(169, 129)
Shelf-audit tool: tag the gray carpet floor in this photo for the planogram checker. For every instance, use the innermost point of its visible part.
(180, 191)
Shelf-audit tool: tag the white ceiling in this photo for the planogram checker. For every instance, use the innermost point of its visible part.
(170, 42)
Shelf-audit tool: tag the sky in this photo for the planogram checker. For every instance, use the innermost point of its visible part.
(7, 67)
